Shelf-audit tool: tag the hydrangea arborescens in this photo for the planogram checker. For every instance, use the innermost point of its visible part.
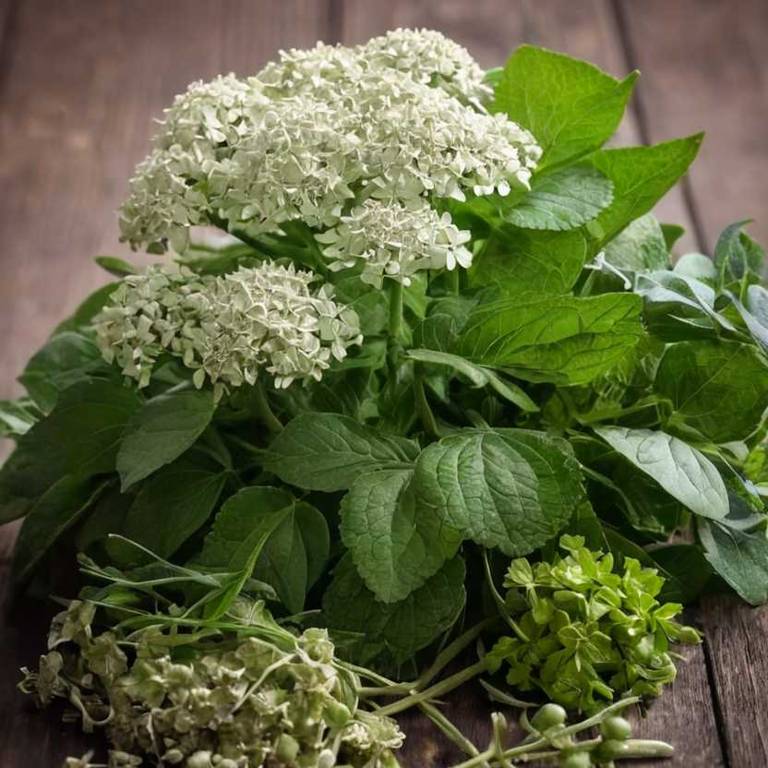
(226, 328)
(319, 132)
(395, 241)
(265, 699)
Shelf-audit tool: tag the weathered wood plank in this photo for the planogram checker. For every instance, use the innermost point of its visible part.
(82, 86)
(736, 636)
(704, 68)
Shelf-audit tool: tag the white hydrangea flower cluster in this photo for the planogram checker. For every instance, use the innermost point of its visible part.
(395, 241)
(226, 328)
(318, 133)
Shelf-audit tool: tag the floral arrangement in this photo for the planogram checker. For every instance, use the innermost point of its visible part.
(442, 349)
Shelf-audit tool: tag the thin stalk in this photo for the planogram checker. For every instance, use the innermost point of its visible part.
(453, 281)
(499, 600)
(449, 729)
(422, 406)
(439, 689)
(263, 409)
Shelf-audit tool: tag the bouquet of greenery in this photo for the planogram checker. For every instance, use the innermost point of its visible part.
(438, 349)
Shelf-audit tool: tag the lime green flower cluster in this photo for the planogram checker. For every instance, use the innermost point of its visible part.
(587, 630)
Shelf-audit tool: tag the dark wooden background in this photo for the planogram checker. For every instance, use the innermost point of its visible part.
(80, 81)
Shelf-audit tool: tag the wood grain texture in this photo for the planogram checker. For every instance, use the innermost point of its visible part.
(704, 68)
(737, 639)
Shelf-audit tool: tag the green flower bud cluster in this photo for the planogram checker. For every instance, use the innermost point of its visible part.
(226, 328)
(588, 631)
(237, 703)
(319, 132)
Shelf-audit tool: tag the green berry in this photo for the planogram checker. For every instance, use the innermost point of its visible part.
(616, 728)
(576, 760)
(548, 717)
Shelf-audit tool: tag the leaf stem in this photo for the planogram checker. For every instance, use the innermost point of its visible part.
(422, 406)
(263, 409)
(439, 689)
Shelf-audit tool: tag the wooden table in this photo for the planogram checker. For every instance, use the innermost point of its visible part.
(80, 82)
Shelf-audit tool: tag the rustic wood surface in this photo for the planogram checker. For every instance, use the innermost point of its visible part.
(81, 80)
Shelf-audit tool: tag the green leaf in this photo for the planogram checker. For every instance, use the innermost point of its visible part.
(82, 433)
(681, 470)
(686, 569)
(672, 233)
(512, 489)
(17, 417)
(88, 309)
(242, 527)
(161, 431)
(326, 452)
(395, 542)
(641, 176)
(737, 254)
(239, 534)
(174, 503)
(518, 261)
(398, 630)
(570, 106)
(740, 557)
(564, 339)
(115, 265)
(639, 247)
(479, 376)
(59, 508)
(718, 388)
(66, 358)
(295, 555)
(80, 437)
(561, 200)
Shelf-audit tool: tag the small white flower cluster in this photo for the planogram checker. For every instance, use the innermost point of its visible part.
(318, 133)
(226, 328)
(395, 241)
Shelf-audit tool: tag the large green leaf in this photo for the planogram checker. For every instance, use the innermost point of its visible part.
(639, 247)
(681, 470)
(66, 358)
(79, 437)
(719, 388)
(641, 176)
(326, 452)
(518, 261)
(510, 489)
(295, 555)
(561, 200)
(570, 106)
(243, 525)
(478, 375)
(161, 431)
(57, 510)
(739, 556)
(396, 630)
(396, 542)
(174, 503)
(563, 339)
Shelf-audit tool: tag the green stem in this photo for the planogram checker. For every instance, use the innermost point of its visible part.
(395, 291)
(439, 689)
(263, 409)
(422, 406)
(499, 600)
(449, 729)
(453, 281)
